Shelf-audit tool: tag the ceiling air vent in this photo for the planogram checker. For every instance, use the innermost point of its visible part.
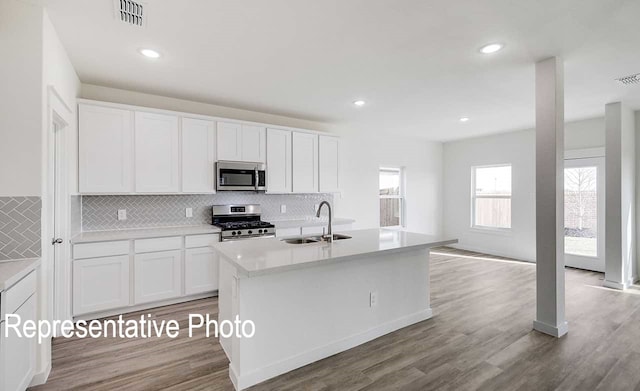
(632, 79)
(130, 12)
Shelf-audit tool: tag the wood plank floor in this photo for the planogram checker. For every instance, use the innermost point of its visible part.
(480, 338)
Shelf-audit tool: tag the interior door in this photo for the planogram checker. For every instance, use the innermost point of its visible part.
(584, 213)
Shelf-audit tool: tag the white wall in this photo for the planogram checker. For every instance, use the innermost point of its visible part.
(20, 98)
(517, 148)
(363, 154)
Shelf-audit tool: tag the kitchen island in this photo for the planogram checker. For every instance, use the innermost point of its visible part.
(310, 301)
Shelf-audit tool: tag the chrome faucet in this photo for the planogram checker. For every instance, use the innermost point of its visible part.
(329, 236)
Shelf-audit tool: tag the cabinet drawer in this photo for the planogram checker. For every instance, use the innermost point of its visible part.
(102, 249)
(20, 292)
(201, 240)
(158, 244)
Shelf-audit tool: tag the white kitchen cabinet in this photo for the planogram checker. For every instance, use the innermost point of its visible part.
(305, 162)
(254, 144)
(18, 354)
(229, 141)
(198, 156)
(105, 155)
(328, 151)
(100, 284)
(201, 270)
(157, 276)
(279, 161)
(157, 153)
(242, 143)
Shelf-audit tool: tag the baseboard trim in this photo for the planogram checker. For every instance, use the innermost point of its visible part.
(614, 285)
(554, 331)
(242, 381)
(41, 377)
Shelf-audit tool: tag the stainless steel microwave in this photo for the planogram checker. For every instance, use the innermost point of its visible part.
(237, 176)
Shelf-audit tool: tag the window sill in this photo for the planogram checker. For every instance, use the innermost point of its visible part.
(492, 231)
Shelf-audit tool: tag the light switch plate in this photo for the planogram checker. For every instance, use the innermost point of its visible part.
(122, 214)
(283, 208)
(188, 212)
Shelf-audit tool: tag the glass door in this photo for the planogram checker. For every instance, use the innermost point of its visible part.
(584, 213)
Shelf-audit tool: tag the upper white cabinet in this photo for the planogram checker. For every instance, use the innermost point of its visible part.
(105, 150)
(305, 162)
(198, 156)
(279, 161)
(329, 152)
(157, 153)
(242, 143)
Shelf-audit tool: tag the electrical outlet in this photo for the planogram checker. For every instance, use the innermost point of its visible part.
(122, 214)
(188, 212)
(373, 299)
(283, 208)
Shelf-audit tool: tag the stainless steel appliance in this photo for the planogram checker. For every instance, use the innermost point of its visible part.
(241, 222)
(241, 176)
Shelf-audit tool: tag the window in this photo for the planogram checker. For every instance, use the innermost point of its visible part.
(491, 197)
(391, 197)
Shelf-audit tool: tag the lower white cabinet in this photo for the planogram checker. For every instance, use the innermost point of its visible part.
(100, 284)
(201, 270)
(158, 276)
(18, 353)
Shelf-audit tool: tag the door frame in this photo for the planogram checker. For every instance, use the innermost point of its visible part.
(59, 120)
(593, 157)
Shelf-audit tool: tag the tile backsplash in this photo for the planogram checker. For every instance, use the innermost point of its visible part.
(20, 227)
(101, 212)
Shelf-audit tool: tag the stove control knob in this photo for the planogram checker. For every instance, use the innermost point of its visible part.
(233, 233)
(259, 231)
(250, 232)
(265, 230)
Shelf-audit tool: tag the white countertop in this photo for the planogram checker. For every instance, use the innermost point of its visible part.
(271, 255)
(309, 222)
(143, 233)
(13, 270)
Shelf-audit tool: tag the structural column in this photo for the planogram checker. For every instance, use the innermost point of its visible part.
(550, 316)
(620, 170)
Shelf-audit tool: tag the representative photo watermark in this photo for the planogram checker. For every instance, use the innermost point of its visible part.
(144, 327)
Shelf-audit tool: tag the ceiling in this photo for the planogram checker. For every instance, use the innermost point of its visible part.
(415, 62)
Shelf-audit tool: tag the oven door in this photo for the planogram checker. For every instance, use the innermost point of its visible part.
(240, 176)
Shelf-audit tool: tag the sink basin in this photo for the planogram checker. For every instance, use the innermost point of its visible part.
(335, 237)
(314, 239)
(301, 240)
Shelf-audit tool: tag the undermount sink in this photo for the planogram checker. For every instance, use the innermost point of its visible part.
(314, 239)
(300, 240)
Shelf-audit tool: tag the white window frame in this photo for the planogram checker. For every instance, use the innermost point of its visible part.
(400, 171)
(474, 196)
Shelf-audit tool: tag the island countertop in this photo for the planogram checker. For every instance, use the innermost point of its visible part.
(271, 255)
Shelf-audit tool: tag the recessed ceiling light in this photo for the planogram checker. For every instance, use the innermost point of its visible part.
(491, 48)
(464, 119)
(149, 53)
(359, 103)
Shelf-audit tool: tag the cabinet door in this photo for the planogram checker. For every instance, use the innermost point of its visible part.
(254, 139)
(157, 151)
(279, 161)
(100, 284)
(18, 354)
(328, 162)
(201, 270)
(198, 156)
(105, 151)
(229, 141)
(305, 163)
(157, 276)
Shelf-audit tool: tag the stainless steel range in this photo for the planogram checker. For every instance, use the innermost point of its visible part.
(241, 222)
